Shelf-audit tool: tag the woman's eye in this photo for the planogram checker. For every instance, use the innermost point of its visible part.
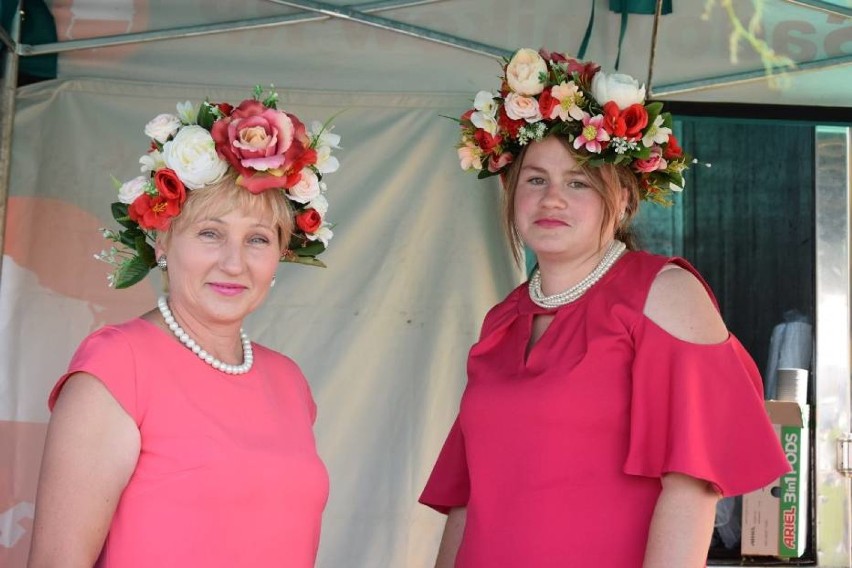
(207, 233)
(578, 184)
(259, 240)
(536, 180)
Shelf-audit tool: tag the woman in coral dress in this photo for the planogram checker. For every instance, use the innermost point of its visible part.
(607, 407)
(174, 439)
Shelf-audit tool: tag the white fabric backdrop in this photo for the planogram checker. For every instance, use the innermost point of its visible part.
(382, 334)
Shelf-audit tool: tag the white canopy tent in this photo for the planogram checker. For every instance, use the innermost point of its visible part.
(418, 258)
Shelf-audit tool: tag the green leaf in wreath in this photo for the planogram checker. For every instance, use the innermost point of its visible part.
(206, 116)
(130, 272)
(119, 213)
(654, 108)
(485, 173)
(313, 249)
(145, 252)
(307, 260)
(643, 153)
(129, 236)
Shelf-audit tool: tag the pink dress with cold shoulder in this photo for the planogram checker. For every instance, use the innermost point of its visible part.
(558, 455)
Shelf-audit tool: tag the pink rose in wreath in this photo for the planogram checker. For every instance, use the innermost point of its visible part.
(261, 144)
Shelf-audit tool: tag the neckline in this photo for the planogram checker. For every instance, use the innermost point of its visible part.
(527, 306)
(172, 340)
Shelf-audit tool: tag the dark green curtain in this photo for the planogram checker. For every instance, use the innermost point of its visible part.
(748, 222)
(38, 26)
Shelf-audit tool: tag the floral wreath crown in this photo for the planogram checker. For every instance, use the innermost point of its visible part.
(604, 116)
(268, 148)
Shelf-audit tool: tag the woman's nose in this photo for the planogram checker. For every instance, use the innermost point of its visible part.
(231, 257)
(553, 196)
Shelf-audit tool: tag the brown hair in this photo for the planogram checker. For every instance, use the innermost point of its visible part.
(607, 180)
(220, 198)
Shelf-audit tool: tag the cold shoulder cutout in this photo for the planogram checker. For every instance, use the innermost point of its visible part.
(682, 305)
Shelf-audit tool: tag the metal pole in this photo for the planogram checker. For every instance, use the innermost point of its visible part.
(658, 12)
(746, 76)
(10, 85)
(399, 27)
(7, 41)
(832, 364)
(205, 29)
(828, 8)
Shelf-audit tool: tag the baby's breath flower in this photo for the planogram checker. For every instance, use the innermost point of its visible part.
(531, 133)
(622, 145)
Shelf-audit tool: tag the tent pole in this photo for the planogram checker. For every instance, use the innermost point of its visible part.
(10, 86)
(395, 26)
(746, 76)
(830, 9)
(658, 12)
(7, 41)
(206, 29)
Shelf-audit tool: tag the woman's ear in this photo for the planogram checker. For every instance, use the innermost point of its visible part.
(159, 247)
(624, 199)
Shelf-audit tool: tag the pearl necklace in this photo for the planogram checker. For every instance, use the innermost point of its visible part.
(612, 254)
(248, 355)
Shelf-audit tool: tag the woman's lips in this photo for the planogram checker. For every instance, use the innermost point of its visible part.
(547, 223)
(227, 289)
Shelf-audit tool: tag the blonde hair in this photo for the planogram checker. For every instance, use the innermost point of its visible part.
(220, 198)
(607, 180)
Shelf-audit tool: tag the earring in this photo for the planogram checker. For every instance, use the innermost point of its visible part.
(162, 263)
(272, 284)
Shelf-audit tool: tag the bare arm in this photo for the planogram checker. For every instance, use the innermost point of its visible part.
(91, 450)
(682, 524)
(450, 542)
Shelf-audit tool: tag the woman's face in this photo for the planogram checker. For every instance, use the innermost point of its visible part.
(221, 267)
(557, 211)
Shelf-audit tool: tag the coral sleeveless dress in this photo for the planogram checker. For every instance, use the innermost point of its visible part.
(228, 473)
(558, 455)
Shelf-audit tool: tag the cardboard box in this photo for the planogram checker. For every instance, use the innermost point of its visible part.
(775, 518)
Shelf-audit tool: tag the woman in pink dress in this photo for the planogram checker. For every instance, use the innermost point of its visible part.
(175, 440)
(607, 407)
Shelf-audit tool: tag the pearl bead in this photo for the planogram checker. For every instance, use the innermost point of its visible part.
(572, 294)
(191, 344)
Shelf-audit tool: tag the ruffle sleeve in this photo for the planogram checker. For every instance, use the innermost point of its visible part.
(108, 356)
(449, 483)
(698, 410)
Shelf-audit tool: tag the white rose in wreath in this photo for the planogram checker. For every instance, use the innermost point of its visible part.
(192, 155)
(320, 203)
(524, 71)
(307, 189)
(622, 89)
(522, 108)
(162, 126)
(130, 190)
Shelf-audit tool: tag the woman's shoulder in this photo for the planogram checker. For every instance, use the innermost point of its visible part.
(647, 263)
(120, 333)
(630, 279)
(266, 355)
(680, 302)
(507, 307)
(640, 269)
